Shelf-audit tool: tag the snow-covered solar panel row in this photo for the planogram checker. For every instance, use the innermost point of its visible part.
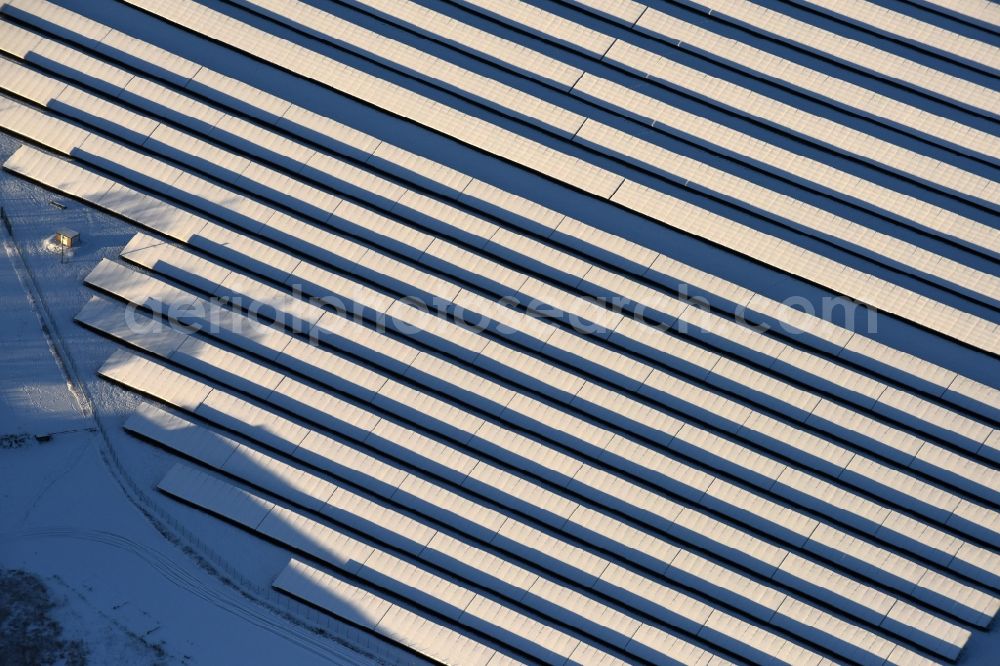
(536, 500)
(432, 546)
(161, 263)
(577, 231)
(859, 54)
(678, 568)
(504, 98)
(818, 84)
(554, 27)
(326, 204)
(627, 12)
(108, 285)
(898, 25)
(909, 209)
(881, 247)
(317, 495)
(985, 11)
(440, 27)
(739, 418)
(364, 608)
(370, 566)
(597, 181)
(663, 115)
(806, 217)
(810, 266)
(142, 424)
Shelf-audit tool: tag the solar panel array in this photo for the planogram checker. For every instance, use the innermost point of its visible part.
(569, 458)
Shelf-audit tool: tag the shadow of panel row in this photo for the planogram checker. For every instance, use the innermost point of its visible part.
(591, 132)
(677, 121)
(578, 173)
(879, 246)
(895, 396)
(248, 372)
(792, 77)
(871, 348)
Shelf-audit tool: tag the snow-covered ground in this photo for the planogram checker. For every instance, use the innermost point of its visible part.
(126, 583)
